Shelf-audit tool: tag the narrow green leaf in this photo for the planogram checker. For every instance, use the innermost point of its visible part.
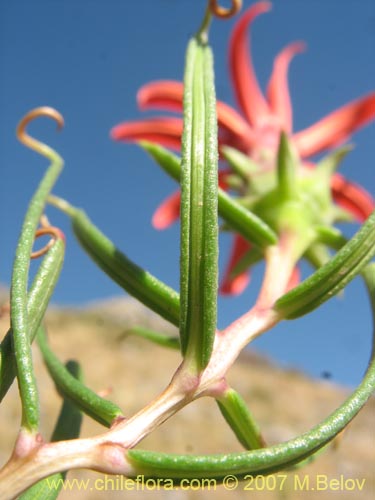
(18, 294)
(240, 419)
(38, 299)
(69, 421)
(249, 225)
(333, 276)
(240, 219)
(234, 182)
(101, 410)
(339, 214)
(331, 236)
(199, 223)
(368, 274)
(68, 426)
(155, 337)
(168, 161)
(242, 164)
(156, 295)
(286, 169)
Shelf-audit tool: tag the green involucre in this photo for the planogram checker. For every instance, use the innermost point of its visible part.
(287, 166)
(333, 276)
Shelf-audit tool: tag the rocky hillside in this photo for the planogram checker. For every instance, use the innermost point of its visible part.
(285, 403)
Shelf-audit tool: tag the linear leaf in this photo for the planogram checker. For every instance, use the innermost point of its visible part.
(155, 337)
(19, 283)
(199, 223)
(100, 409)
(142, 285)
(240, 163)
(240, 419)
(37, 301)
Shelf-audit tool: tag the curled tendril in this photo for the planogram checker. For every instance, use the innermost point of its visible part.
(56, 234)
(29, 141)
(223, 12)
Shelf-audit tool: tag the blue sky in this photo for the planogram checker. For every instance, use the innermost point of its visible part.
(87, 58)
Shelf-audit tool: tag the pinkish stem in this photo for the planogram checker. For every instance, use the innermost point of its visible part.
(107, 452)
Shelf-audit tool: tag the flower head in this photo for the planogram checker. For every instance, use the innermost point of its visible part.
(255, 132)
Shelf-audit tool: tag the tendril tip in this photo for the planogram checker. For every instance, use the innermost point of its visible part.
(29, 141)
(56, 234)
(222, 12)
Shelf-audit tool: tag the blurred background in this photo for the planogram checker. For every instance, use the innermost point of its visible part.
(88, 58)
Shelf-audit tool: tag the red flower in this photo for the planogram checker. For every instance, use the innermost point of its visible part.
(254, 131)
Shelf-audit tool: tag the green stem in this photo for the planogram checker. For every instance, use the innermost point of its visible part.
(202, 34)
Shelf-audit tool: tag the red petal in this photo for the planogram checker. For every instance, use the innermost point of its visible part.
(163, 94)
(231, 121)
(352, 197)
(165, 131)
(248, 93)
(235, 286)
(336, 127)
(168, 212)
(223, 174)
(278, 91)
(168, 94)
